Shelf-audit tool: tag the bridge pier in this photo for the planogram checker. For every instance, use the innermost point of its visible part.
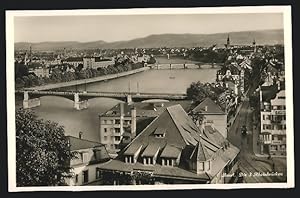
(30, 103)
(79, 105)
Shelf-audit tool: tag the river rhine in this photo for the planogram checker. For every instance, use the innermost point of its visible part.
(61, 110)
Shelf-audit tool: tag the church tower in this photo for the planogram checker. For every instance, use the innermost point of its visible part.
(254, 45)
(228, 42)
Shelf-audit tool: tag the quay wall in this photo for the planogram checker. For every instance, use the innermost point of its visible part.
(88, 80)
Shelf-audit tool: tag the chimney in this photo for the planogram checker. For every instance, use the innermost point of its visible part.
(133, 122)
(121, 118)
(205, 108)
(202, 124)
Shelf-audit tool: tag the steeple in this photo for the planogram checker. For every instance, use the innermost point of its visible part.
(254, 45)
(228, 41)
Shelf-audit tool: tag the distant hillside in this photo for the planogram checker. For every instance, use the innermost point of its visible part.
(262, 37)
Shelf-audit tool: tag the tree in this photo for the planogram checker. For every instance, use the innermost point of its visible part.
(20, 70)
(19, 83)
(42, 151)
(198, 91)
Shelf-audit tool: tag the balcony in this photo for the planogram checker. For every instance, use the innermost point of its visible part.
(278, 112)
(276, 121)
(278, 142)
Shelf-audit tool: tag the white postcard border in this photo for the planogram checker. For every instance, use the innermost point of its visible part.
(286, 10)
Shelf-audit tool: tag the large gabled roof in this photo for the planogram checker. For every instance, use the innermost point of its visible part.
(179, 130)
(212, 107)
(183, 137)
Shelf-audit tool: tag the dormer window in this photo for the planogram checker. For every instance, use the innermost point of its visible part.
(148, 161)
(150, 154)
(167, 162)
(160, 132)
(170, 156)
(132, 153)
(129, 159)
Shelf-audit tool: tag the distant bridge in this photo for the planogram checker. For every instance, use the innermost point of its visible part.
(32, 97)
(179, 65)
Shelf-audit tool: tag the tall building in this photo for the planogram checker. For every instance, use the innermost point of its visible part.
(172, 150)
(273, 120)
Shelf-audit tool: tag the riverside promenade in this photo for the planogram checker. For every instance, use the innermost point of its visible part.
(86, 81)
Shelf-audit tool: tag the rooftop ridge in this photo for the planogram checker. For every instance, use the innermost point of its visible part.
(70, 136)
(134, 139)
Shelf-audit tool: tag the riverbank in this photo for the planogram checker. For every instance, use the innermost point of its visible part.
(87, 81)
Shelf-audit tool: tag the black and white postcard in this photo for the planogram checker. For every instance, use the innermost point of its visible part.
(147, 99)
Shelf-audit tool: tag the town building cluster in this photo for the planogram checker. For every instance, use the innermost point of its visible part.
(172, 142)
(273, 111)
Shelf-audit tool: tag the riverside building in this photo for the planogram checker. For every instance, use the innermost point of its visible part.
(172, 150)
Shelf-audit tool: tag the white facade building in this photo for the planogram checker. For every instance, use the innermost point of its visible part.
(273, 125)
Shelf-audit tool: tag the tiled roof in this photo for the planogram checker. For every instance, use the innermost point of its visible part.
(74, 59)
(145, 109)
(212, 107)
(151, 150)
(159, 131)
(181, 137)
(132, 150)
(78, 144)
(170, 151)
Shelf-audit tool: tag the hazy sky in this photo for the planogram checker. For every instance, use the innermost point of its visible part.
(126, 27)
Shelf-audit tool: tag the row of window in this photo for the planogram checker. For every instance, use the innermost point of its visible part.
(278, 107)
(202, 166)
(116, 121)
(85, 175)
(112, 138)
(274, 126)
(151, 161)
(116, 130)
(278, 147)
(279, 137)
(274, 117)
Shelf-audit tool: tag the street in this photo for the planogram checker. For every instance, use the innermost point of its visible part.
(249, 163)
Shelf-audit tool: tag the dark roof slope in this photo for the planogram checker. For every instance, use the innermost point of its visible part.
(212, 107)
(78, 144)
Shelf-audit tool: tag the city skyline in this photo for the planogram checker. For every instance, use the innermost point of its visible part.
(53, 28)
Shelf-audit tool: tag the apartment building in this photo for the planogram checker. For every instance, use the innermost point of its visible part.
(273, 121)
(97, 62)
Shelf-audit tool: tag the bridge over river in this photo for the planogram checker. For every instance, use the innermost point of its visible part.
(32, 97)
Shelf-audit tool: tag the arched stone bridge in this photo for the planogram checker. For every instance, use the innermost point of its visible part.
(32, 97)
